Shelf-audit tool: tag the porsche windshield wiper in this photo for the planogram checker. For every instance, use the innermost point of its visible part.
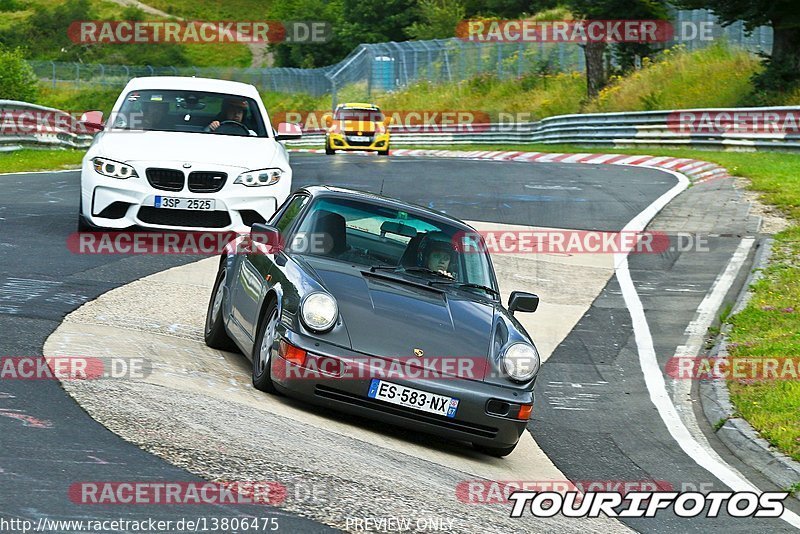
(401, 269)
(425, 270)
(469, 285)
(383, 268)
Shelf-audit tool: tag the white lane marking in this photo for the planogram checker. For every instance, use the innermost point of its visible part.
(38, 172)
(654, 379)
(696, 331)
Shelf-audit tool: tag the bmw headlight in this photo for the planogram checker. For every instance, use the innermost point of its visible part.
(113, 169)
(319, 311)
(259, 177)
(521, 362)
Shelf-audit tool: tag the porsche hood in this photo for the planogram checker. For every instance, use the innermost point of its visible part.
(388, 317)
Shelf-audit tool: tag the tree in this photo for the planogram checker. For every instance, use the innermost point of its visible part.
(17, 79)
(375, 21)
(438, 19)
(783, 66)
(594, 51)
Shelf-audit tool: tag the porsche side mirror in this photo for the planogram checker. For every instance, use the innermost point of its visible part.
(287, 131)
(524, 302)
(266, 235)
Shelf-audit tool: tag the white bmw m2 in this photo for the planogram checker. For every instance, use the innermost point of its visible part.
(186, 154)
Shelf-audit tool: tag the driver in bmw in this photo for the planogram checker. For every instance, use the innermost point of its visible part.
(232, 110)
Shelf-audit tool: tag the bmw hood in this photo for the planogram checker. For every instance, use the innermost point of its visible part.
(396, 320)
(235, 151)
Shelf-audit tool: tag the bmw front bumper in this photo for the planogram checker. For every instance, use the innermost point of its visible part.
(123, 203)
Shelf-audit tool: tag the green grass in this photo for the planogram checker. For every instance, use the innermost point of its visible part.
(714, 77)
(72, 99)
(538, 96)
(40, 160)
(770, 327)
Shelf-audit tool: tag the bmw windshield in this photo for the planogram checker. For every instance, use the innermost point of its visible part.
(190, 111)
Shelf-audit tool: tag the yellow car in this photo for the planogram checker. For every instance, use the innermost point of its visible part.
(357, 126)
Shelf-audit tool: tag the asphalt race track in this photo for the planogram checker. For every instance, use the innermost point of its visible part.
(594, 417)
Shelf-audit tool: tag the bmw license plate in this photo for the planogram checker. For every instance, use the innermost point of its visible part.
(412, 398)
(201, 204)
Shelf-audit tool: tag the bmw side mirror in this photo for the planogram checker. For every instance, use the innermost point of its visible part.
(288, 131)
(524, 302)
(92, 121)
(266, 235)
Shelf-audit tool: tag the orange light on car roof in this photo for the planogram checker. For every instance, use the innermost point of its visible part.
(525, 411)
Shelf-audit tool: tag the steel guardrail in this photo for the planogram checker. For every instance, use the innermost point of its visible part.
(26, 125)
(619, 129)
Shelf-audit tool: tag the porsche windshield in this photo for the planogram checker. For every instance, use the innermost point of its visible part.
(383, 237)
(190, 111)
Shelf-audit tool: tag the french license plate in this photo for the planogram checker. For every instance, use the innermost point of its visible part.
(359, 139)
(201, 204)
(412, 398)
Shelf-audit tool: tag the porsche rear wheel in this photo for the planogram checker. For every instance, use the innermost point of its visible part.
(214, 332)
(263, 350)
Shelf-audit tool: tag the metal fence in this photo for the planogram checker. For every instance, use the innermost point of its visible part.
(382, 67)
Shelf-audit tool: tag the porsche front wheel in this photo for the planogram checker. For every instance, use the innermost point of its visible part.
(263, 350)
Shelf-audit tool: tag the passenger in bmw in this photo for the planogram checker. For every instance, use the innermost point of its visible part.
(154, 115)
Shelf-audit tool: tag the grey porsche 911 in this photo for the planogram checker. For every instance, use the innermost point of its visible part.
(380, 308)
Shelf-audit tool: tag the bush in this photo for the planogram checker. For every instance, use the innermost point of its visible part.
(17, 80)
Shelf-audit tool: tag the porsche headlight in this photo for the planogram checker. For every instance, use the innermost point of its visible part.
(113, 169)
(319, 311)
(259, 177)
(521, 362)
